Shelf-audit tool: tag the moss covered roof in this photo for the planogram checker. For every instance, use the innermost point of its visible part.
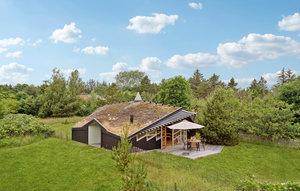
(115, 117)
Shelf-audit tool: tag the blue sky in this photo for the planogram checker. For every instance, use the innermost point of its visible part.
(240, 39)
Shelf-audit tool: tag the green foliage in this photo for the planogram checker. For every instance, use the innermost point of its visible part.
(148, 89)
(121, 154)
(270, 118)
(285, 76)
(14, 125)
(198, 106)
(232, 84)
(7, 106)
(258, 88)
(175, 91)
(201, 87)
(290, 93)
(60, 97)
(220, 118)
(135, 178)
(251, 185)
(134, 174)
(129, 80)
(198, 135)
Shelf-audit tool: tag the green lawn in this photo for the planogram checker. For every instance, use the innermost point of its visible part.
(56, 164)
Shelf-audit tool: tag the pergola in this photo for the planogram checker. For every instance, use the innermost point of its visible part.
(179, 130)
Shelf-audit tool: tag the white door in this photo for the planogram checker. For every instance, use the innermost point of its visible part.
(94, 133)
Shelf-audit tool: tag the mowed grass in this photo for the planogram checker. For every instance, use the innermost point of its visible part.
(224, 171)
(57, 164)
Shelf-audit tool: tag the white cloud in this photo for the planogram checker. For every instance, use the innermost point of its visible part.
(194, 5)
(100, 50)
(119, 67)
(14, 73)
(69, 34)
(16, 54)
(150, 64)
(116, 68)
(290, 23)
(11, 42)
(195, 60)
(67, 71)
(76, 50)
(151, 24)
(243, 82)
(255, 47)
(2, 50)
(38, 41)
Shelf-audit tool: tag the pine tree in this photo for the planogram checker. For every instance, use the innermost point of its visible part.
(198, 84)
(196, 80)
(258, 88)
(232, 84)
(262, 84)
(282, 78)
(290, 75)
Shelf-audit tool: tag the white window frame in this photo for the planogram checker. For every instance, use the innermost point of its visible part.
(150, 135)
(140, 136)
(158, 134)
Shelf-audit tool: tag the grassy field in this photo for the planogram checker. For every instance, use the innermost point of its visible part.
(57, 164)
(62, 126)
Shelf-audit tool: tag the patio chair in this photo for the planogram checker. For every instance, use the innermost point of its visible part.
(189, 146)
(198, 146)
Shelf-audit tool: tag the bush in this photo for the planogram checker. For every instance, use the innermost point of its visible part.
(269, 118)
(14, 125)
(254, 186)
(220, 118)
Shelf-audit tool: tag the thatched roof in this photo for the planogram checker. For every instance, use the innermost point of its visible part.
(115, 116)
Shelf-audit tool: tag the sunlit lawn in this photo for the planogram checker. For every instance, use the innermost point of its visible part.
(56, 164)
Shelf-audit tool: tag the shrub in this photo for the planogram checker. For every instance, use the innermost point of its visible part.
(269, 118)
(14, 125)
(220, 118)
(255, 186)
(134, 174)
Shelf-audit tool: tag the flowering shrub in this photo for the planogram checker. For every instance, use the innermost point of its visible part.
(13, 125)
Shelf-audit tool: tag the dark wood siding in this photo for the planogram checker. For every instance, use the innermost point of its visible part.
(80, 134)
(108, 140)
(146, 145)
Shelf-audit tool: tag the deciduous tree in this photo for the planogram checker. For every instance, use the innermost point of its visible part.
(175, 91)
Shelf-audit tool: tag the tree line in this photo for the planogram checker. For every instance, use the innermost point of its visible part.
(225, 109)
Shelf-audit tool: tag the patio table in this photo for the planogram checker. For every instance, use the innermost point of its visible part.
(194, 143)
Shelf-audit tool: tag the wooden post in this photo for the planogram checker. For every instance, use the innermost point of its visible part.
(172, 137)
(161, 138)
